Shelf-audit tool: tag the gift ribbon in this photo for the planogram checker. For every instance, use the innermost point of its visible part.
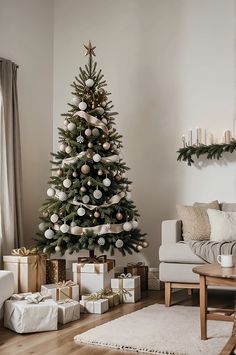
(125, 276)
(92, 120)
(33, 298)
(96, 260)
(64, 285)
(110, 159)
(24, 252)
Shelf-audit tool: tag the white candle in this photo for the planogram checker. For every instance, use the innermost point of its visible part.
(205, 136)
(197, 135)
(190, 137)
(183, 140)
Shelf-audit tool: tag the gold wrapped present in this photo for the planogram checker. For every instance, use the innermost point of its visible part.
(55, 271)
(62, 290)
(138, 269)
(112, 297)
(28, 267)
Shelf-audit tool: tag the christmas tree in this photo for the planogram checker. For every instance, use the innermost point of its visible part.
(89, 202)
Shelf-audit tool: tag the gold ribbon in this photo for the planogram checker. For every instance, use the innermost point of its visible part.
(24, 252)
(98, 230)
(110, 159)
(65, 283)
(92, 260)
(92, 120)
(67, 286)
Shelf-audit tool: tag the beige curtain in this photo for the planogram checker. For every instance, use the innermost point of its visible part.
(11, 235)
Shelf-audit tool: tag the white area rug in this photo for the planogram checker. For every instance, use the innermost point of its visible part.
(160, 330)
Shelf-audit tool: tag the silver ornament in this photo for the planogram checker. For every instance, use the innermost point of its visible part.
(106, 145)
(119, 243)
(90, 145)
(82, 105)
(100, 110)
(81, 211)
(68, 149)
(54, 218)
(49, 234)
(71, 126)
(106, 182)
(80, 139)
(97, 158)
(64, 228)
(127, 226)
(101, 241)
(73, 224)
(89, 83)
(62, 147)
(42, 227)
(100, 172)
(74, 174)
(135, 224)
(139, 247)
(67, 183)
(88, 132)
(57, 248)
(95, 132)
(85, 199)
(51, 192)
(97, 194)
(145, 244)
(56, 227)
(62, 196)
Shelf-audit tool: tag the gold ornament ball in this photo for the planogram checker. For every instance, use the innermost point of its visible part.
(90, 145)
(139, 247)
(45, 214)
(145, 244)
(89, 183)
(100, 172)
(119, 216)
(59, 172)
(96, 214)
(118, 178)
(106, 145)
(83, 189)
(61, 214)
(85, 169)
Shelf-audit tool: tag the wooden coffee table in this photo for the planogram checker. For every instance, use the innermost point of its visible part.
(215, 275)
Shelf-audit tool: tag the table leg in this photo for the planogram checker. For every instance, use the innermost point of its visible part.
(203, 307)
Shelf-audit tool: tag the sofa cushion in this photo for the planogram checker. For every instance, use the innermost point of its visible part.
(223, 226)
(171, 272)
(195, 220)
(178, 253)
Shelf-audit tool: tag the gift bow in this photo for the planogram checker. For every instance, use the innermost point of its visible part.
(24, 252)
(92, 260)
(31, 297)
(65, 283)
(125, 276)
(140, 263)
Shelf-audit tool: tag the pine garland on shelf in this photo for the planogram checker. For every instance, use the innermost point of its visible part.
(212, 151)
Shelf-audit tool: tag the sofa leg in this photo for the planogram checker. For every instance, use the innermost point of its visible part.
(167, 294)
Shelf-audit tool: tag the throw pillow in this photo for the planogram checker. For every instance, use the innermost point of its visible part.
(223, 225)
(195, 221)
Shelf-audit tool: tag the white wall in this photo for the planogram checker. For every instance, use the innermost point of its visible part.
(26, 37)
(170, 66)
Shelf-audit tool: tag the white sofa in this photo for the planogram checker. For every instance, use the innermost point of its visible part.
(177, 259)
(6, 288)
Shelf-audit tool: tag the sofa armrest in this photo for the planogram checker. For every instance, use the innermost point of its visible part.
(171, 231)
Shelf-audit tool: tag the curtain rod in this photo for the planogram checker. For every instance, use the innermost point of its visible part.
(17, 66)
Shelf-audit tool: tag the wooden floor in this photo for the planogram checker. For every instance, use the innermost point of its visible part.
(61, 342)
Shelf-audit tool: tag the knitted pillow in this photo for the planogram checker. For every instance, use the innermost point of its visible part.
(195, 221)
(223, 225)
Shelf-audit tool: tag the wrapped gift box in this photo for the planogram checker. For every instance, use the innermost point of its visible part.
(138, 270)
(29, 271)
(128, 288)
(23, 317)
(94, 306)
(153, 279)
(62, 290)
(55, 270)
(68, 311)
(93, 277)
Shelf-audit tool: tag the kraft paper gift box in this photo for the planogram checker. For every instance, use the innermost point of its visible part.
(93, 277)
(62, 290)
(94, 306)
(55, 270)
(68, 311)
(23, 317)
(29, 271)
(128, 288)
(138, 269)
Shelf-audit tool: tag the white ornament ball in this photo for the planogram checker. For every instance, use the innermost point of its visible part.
(66, 122)
(101, 241)
(71, 126)
(127, 226)
(82, 189)
(57, 248)
(85, 169)
(88, 132)
(68, 149)
(145, 244)
(119, 243)
(89, 83)
(51, 192)
(90, 145)
(81, 211)
(135, 224)
(139, 247)
(64, 228)
(62, 147)
(100, 172)
(104, 120)
(106, 145)
(42, 227)
(62, 196)
(85, 199)
(89, 183)
(97, 158)
(54, 218)
(95, 132)
(67, 183)
(75, 100)
(82, 105)
(74, 174)
(45, 250)
(106, 182)
(100, 110)
(73, 224)
(104, 104)
(128, 196)
(49, 234)
(97, 194)
(56, 227)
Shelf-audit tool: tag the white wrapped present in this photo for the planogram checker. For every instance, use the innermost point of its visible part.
(153, 279)
(62, 290)
(93, 277)
(24, 317)
(68, 311)
(94, 306)
(128, 287)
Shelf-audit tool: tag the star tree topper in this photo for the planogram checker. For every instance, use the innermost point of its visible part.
(89, 49)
